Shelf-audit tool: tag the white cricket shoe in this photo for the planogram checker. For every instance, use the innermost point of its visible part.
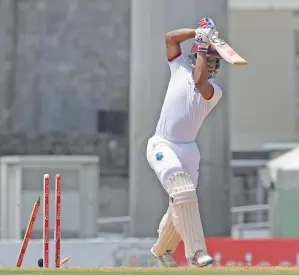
(167, 260)
(201, 259)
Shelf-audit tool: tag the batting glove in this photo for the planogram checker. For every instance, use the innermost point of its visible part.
(204, 33)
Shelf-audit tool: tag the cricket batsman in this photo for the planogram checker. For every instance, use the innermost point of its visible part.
(173, 153)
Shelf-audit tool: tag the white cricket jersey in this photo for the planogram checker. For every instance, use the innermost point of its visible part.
(184, 109)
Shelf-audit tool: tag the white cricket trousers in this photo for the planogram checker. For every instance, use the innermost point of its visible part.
(167, 158)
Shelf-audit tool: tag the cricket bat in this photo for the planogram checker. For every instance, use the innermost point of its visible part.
(227, 52)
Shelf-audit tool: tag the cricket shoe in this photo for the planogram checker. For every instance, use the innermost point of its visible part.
(201, 259)
(167, 260)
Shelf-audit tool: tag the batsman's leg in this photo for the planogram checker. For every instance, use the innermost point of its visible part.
(185, 214)
(167, 242)
(163, 160)
(186, 218)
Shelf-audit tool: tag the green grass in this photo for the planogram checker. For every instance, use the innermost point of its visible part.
(153, 271)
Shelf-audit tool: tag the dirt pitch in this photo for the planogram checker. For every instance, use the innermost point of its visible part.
(153, 271)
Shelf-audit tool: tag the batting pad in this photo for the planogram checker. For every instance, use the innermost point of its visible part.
(185, 213)
(168, 237)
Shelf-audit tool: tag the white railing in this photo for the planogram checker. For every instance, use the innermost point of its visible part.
(241, 226)
(239, 211)
(124, 221)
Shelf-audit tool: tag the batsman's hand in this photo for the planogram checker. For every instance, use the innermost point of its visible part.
(204, 33)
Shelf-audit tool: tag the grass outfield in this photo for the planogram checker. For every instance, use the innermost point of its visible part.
(153, 271)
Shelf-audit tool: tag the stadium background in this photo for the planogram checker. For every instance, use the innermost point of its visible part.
(79, 78)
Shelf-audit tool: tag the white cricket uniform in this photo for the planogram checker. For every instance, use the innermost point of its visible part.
(173, 147)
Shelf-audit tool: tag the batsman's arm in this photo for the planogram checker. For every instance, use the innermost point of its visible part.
(173, 40)
(201, 77)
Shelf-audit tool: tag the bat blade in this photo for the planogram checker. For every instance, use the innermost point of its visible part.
(227, 52)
